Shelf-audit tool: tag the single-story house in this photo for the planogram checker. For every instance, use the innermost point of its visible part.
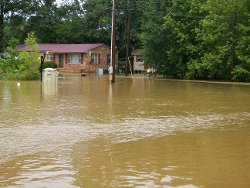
(75, 57)
(138, 61)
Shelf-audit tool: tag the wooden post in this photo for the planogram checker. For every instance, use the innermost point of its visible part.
(41, 65)
(113, 42)
(128, 40)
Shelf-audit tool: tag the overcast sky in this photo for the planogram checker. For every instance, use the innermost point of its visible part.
(59, 1)
(62, 1)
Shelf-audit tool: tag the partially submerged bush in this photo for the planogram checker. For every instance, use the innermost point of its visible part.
(241, 73)
(26, 66)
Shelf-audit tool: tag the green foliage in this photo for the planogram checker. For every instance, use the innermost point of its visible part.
(30, 61)
(241, 73)
(13, 42)
(198, 39)
(12, 13)
(185, 39)
(210, 67)
(26, 66)
(9, 69)
(31, 42)
(49, 65)
(169, 37)
(155, 38)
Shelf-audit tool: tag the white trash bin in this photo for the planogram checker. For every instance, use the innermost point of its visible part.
(99, 71)
(50, 75)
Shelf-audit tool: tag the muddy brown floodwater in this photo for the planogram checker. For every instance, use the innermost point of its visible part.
(85, 132)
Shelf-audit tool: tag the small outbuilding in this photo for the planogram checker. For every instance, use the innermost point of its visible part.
(138, 62)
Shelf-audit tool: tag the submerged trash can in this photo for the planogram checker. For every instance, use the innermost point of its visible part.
(99, 71)
(50, 75)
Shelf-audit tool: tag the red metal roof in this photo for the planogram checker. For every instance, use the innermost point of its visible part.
(61, 48)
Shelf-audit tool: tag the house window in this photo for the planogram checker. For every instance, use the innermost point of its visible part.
(108, 59)
(74, 58)
(95, 58)
(139, 58)
(49, 57)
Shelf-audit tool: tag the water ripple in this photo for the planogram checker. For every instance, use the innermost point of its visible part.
(55, 135)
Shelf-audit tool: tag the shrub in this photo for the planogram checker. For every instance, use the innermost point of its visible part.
(25, 67)
(49, 65)
(241, 73)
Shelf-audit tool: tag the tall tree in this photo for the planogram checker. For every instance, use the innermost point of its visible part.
(219, 38)
(43, 20)
(10, 8)
(97, 20)
(70, 27)
(154, 36)
(182, 23)
(215, 41)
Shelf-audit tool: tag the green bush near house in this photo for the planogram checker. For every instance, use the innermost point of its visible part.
(49, 65)
(15, 69)
(23, 65)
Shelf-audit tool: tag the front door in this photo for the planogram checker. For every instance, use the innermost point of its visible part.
(60, 60)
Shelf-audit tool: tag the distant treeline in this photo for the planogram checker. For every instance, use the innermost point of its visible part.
(185, 39)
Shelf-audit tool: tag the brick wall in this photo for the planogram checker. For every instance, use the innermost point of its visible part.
(86, 65)
(56, 59)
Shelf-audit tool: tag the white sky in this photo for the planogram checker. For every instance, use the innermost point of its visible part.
(62, 1)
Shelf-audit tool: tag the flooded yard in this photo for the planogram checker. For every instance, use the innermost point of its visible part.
(86, 132)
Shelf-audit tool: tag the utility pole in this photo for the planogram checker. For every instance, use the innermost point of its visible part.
(128, 40)
(113, 42)
(41, 66)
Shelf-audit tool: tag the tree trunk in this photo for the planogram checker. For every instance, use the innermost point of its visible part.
(1, 28)
(234, 38)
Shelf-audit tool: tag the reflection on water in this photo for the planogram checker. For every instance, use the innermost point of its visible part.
(85, 132)
(185, 159)
(36, 171)
(49, 89)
